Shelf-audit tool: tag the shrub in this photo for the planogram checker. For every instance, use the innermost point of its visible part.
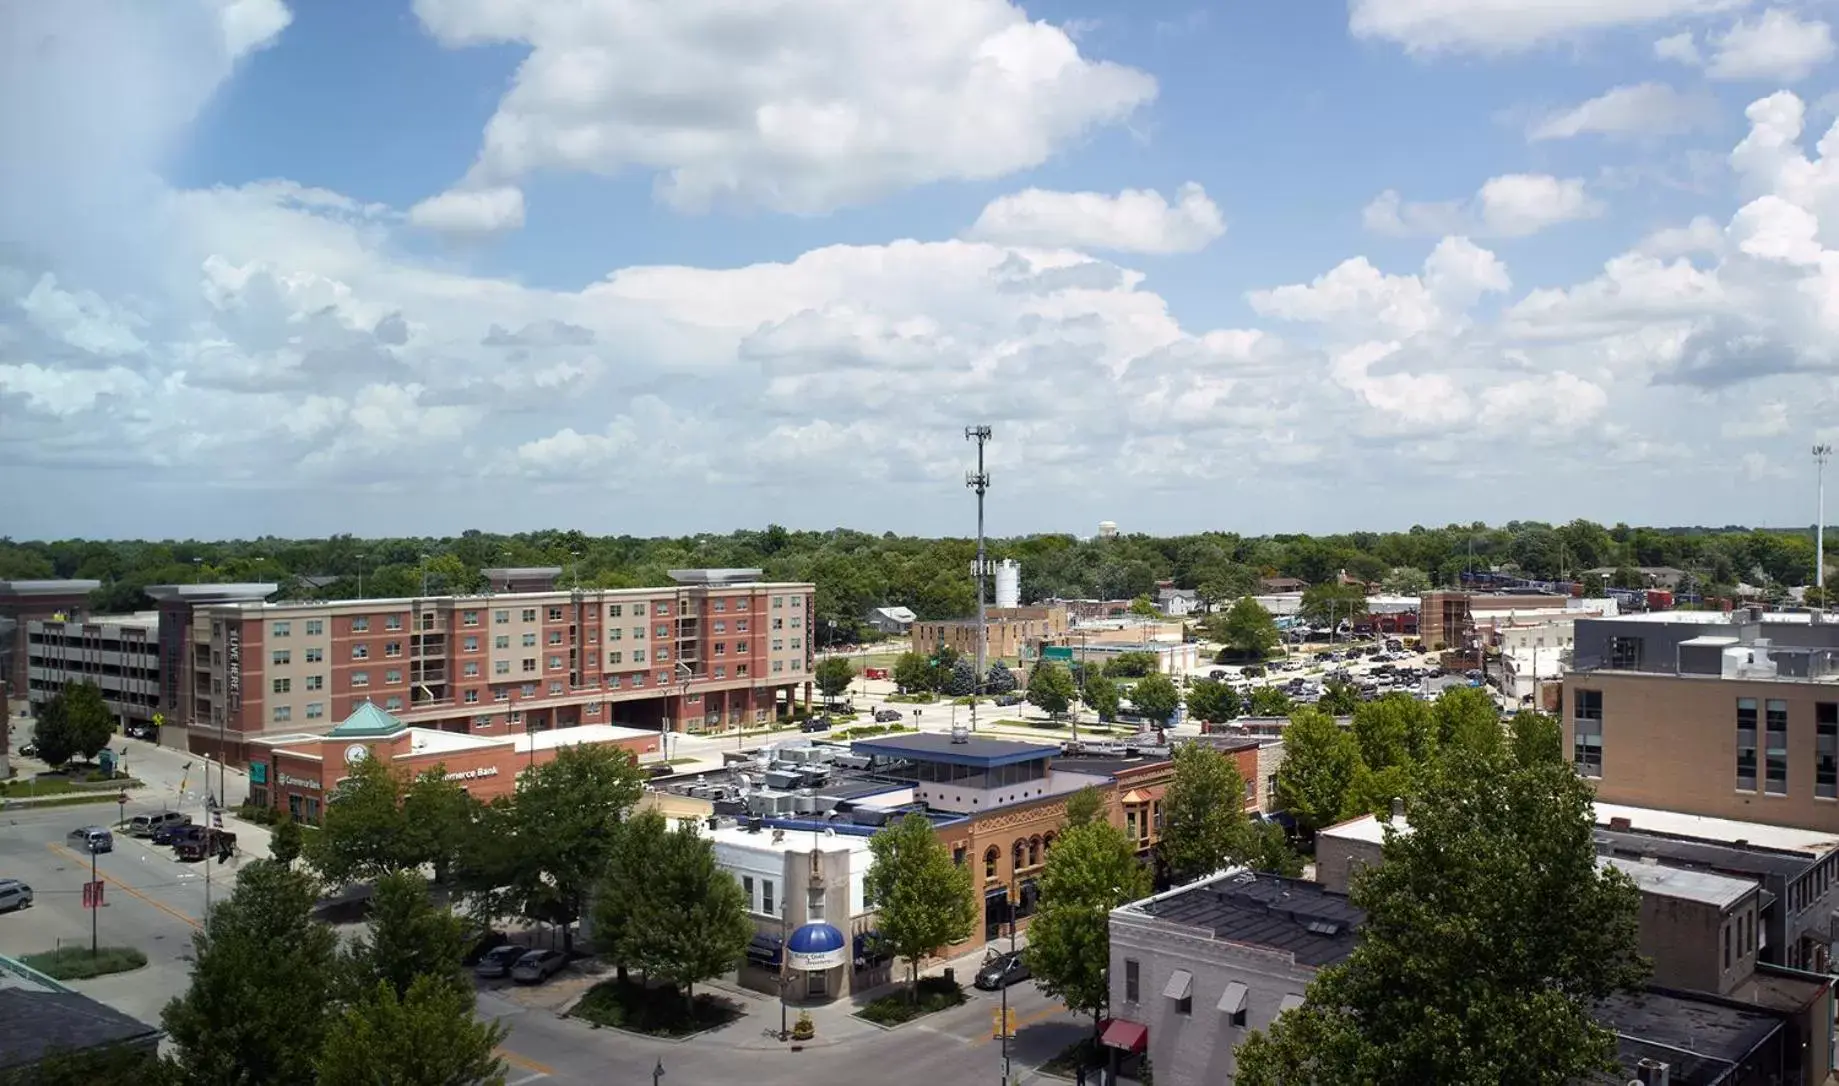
(804, 1029)
(77, 963)
(659, 1011)
(935, 994)
(260, 816)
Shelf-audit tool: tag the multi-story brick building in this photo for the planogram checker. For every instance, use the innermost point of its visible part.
(716, 649)
(1012, 632)
(20, 603)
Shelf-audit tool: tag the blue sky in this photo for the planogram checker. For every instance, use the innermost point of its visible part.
(621, 265)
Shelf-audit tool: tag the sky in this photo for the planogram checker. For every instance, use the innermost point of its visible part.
(668, 266)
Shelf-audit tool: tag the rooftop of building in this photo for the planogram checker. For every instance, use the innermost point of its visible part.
(780, 840)
(1683, 883)
(974, 750)
(140, 620)
(1370, 829)
(716, 576)
(1700, 1037)
(583, 733)
(48, 587)
(39, 1016)
(247, 592)
(1315, 926)
(1813, 844)
(520, 572)
(478, 599)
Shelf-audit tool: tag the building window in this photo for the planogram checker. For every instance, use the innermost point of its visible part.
(721, 627)
(392, 677)
(721, 604)
(529, 663)
(1727, 946)
(721, 671)
(555, 614)
(555, 637)
(740, 625)
(283, 686)
(392, 622)
(778, 602)
(501, 641)
(283, 629)
(529, 640)
(360, 678)
(314, 656)
(721, 648)
(766, 896)
(778, 665)
(1133, 980)
(360, 624)
(392, 648)
(529, 614)
(638, 679)
(616, 657)
(740, 647)
(283, 713)
(283, 656)
(1775, 748)
(616, 610)
(555, 688)
(663, 609)
(747, 891)
(778, 624)
(1625, 653)
(555, 663)
(500, 693)
(1826, 750)
(315, 627)
(778, 644)
(315, 682)
(1587, 732)
(662, 630)
(501, 667)
(469, 618)
(499, 618)
(315, 710)
(638, 633)
(392, 703)
(472, 696)
(471, 644)
(470, 669)
(638, 656)
(1746, 744)
(740, 671)
(661, 655)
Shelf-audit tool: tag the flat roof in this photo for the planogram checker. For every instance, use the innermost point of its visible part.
(799, 841)
(976, 750)
(141, 620)
(1712, 639)
(585, 733)
(436, 741)
(1684, 883)
(213, 593)
(1314, 925)
(1813, 843)
(1759, 863)
(502, 572)
(1699, 1037)
(48, 588)
(715, 576)
(1107, 767)
(1368, 828)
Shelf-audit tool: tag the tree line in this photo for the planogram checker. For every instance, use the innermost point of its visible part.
(855, 571)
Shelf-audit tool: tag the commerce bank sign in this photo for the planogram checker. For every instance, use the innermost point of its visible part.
(474, 774)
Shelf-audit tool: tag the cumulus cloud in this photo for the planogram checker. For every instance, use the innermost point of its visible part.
(1508, 26)
(1640, 109)
(1357, 296)
(1509, 206)
(1776, 47)
(1135, 220)
(474, 211)
(800, 106)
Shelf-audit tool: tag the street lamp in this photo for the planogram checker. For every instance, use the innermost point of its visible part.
(360, 576)
(657, 1073)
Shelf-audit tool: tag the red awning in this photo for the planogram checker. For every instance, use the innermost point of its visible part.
(1126, 1035)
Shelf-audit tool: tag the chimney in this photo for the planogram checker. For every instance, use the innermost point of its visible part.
(1621, 824)
(1653, 1072)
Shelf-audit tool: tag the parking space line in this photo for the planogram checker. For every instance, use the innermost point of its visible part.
(537, 1069)
(125, 888)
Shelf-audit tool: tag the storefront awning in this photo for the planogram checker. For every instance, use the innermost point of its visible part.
(764, 950)
(1134, 796)
(1124, 1034)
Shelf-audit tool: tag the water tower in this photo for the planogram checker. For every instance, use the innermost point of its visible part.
(1008, 583)
(1107, 529)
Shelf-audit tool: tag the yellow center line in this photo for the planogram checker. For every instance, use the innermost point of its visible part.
(515, 1060)
(1021, 1020)
(129, 890)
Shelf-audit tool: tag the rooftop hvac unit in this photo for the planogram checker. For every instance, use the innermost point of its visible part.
(851, 761)
(806, 804)
(782, 778)
(1652, 1072)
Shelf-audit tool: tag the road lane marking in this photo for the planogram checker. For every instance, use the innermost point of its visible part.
(1022, 1021)
(125, 888)
(522, 1063)
(527, 1079)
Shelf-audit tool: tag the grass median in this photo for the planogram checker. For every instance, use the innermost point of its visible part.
(656, 1011)
(935, 994)
(78, 963)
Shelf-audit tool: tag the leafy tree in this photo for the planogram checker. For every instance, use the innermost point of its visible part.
(1373, 790)
(437, 816)
(1319, 763)
(926, 901)
(1594, 588)
(1203, 814)
(1213, 701)
(88, 719)
(1083, 806)
(363, 834)
(833, 674)
(1268, 701)
(52, 732)
(1406, 581)
(912, 674)
(1395, 730)
(1050, 687)
(626, 887)
(409, 937)
(999, 679)
(265, 977)
(565, 820)
(425, 1036)
(1339, 697)
(285, 843)
(1467, 717)
(691, 923)
(1331, 603)
(1091, 870)
(1505, 853)
(961, 681)
(940, 665)
(1156, 697)
(1100, 693)
(1247, 629)
(1266, 848)
(1627, 577)
(1536, 738)
(1144, 607)
(1132, 665)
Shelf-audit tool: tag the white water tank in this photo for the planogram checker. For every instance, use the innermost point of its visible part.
(1107, 529)
(1008, 583)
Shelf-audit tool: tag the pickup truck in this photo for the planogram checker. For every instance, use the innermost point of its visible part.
(202, 845)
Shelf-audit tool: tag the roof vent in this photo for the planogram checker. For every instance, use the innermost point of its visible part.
(1621, 824)
(959, 734)
(1652, 1072)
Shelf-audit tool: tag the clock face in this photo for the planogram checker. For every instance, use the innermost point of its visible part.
(356, 753)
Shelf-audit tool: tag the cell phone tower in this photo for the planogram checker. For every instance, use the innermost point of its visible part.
(979, 481)
(1820, 455)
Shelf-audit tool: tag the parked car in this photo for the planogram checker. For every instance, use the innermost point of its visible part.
(660, 769)
(815, 724)
(887, 716)
(14, 895)
(487, 942)
(171, 832)
(537, 966)
(497, 962)
(1008, 699)
(30, 750)
(91, 839)
(1002, 970)
(203, 844)
(150, 825)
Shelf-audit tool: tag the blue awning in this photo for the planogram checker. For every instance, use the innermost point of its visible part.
(815, 939)
(764, 950)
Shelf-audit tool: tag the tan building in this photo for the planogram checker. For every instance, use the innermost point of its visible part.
(1010, 629)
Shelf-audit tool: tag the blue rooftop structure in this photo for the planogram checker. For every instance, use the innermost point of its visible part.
(975, 751)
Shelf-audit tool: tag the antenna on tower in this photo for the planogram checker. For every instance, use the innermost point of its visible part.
(1821, 453)
(979, 481)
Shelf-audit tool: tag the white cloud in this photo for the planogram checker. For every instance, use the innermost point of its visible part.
(1509, 206)
(801, 106)
(1769, 419)
(1508, 26)
(1777, 47)
(1135, 220)
(1358, 297)
(1640, 109)
(249, 25)
(476, 211)
(1682, 48)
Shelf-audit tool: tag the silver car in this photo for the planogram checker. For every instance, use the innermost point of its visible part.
(537, 966)
(14, 895)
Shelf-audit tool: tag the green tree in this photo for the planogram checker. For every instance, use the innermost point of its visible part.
(1203, 814)
(1319, 764)
(1091, 870)
(626, 887)
(1268, 701)
(1085, 805)
(1536, 738)
(265, 977)
(1627, 577)
(1267, 849)
(912, 674)
(1331, 603)
(1132, 665)
(1505, 852)
(1373, 790)
(1594, 588)
(999, 679)
(409, 937)
(1050, 687)
(1339, 698)
(285, 843)
(1406, 581)
(961, 680)
(363, 834)
(426, 1036)
(88, 718)
(1395, 730)
(691, 923)
(1101, 694)
(926, 900)
(1467, 717)
(1246, 629)
(1156, 697)
(1144, 607)
(1213, 701)
(52, 732)
(437, 816)
(565, 818)
(833, 674)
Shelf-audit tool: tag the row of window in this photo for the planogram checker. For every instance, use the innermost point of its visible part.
(1761, 736)
(284, 657)
(284, 713)
(1180, 992)
(502, 616)
(315, 627)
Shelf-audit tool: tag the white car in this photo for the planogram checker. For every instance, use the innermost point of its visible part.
(14, 895)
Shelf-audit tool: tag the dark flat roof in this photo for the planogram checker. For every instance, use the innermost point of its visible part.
(1108, 767)
(1317, 926)
(1703, 855)
(1700, 1037)
(35, 1021)
(938, 747)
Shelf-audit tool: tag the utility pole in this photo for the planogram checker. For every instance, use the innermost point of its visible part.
(1820, 455)
(979, 481)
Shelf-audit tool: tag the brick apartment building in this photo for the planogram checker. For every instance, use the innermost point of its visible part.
(716, 649)
(1013, 632)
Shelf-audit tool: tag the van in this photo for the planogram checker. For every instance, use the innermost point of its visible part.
(91, 839)
(147, 825)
